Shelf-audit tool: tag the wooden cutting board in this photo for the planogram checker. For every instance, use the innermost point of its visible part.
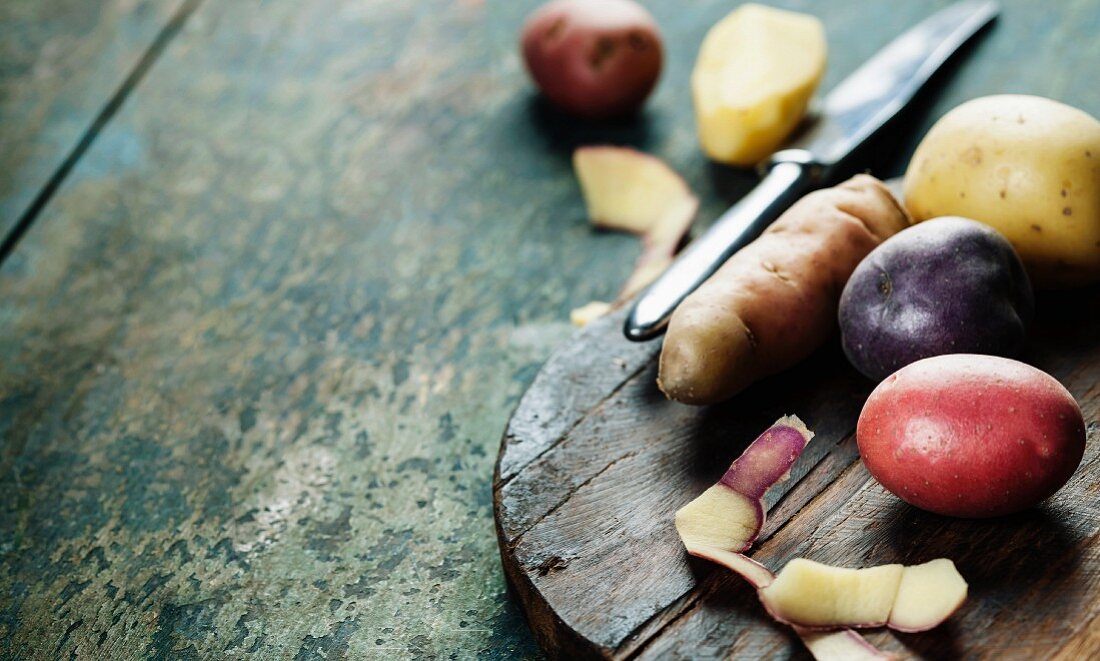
(595, 461)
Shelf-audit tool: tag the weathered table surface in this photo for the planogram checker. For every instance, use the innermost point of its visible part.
(287, 268)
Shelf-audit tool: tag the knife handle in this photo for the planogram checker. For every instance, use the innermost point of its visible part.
(790, 174)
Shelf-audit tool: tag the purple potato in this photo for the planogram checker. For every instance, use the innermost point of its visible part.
(948, 285)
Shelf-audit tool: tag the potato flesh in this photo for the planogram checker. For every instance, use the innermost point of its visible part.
(755, 74)
(916, 598)
(927, 595)
(627, 190)
(1027, 166)
(720, 518)
(812, 594)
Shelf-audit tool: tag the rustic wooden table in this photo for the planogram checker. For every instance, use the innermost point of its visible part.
(274, 275)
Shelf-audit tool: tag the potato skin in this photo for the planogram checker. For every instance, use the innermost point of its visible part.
(774, 302)
(971, 436)
(949, 285)
(593, 59)
(1029, 167)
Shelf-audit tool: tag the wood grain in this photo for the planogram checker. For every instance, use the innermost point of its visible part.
(587, 538)
(63, 63)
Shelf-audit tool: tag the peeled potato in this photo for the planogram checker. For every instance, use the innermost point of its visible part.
(756, 71)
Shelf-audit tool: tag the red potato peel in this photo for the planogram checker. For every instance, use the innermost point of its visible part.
(627, 190)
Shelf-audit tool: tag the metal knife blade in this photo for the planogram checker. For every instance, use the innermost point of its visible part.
(852, 113)
(868, 98)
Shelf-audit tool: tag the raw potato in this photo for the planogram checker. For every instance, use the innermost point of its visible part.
(625, 189)
(593, 59)
(756, 71)
(775, 301)
(1029, 167)
(949, 285)
(971, 436)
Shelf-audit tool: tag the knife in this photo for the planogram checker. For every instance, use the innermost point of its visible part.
(852, 112)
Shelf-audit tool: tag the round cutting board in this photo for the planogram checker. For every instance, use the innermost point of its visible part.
(595, 461)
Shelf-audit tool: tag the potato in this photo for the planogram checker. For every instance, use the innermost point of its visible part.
(971, 436)
(593, 59)
(950, 285)
(1029, 167)
(756, 71)
(775, 301)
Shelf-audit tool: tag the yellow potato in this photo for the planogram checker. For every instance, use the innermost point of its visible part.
(1029, 167)
(756, 71)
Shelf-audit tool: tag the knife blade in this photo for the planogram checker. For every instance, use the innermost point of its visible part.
(851, 114)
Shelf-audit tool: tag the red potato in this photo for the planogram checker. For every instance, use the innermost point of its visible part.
(593, 59)
(971, 436)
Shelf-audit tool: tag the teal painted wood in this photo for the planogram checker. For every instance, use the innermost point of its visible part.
(60, 64)
(259, 348)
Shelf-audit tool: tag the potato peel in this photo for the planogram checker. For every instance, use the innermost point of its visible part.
(841, 644)
(820, 602)
(630, 191)
(817, 596)
(729, 515)
(764, 463)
